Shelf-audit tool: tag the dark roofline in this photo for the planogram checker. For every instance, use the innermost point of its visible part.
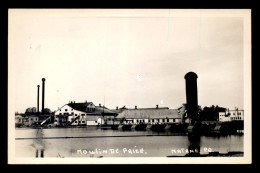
(152, 118)
(140, 108)
(234, 110)
(82, 107)
(90, 103)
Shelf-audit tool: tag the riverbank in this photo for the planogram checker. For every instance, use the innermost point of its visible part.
(201, 128)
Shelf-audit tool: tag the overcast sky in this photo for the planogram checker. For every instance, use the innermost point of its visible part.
(125, 57)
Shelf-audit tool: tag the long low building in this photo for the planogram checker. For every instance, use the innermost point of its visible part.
(156, 115)
(83, 114)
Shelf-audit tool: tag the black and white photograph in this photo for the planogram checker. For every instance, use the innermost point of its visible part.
(129, 86)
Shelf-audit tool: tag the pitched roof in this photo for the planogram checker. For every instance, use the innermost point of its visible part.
(19, 116)
(83, 107)
(149, 113)
(104, 109)
(120, 110)
(88, 103)
(78, 106)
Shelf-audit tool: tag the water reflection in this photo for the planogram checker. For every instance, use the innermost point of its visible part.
(38, 143)
(67, 142)
(194, 145)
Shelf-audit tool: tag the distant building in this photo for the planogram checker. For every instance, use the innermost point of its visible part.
(86, 113)
(224, 117)
(156, 115)
(31, 120)
(231, 115)
(19, 120)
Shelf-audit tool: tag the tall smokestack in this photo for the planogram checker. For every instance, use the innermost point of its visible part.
(192, 95)
(38, 97)
(43, 87)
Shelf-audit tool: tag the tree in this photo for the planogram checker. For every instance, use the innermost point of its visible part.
(30, 111)
(47, 111)
(210, 113)
(33, 111)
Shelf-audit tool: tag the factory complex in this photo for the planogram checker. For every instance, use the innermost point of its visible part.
(84, 114)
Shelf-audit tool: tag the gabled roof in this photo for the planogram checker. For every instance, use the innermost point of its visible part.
(83, 107)
(78, 106)
(88, 103)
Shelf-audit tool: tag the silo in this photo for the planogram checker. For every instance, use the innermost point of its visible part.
(192, 95)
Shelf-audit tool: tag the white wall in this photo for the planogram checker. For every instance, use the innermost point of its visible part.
(66, 109)
(91, 123)
(236, 115)
(178, 120)
(231, 115)
(223, 117)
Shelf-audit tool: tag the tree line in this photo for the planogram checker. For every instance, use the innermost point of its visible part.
(210, 113)
(33, 111)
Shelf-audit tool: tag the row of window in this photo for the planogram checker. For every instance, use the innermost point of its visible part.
(152, 120)
(236, 118)
(74, 122)
(222, 115)
(79, 121)
(239, 113)
(72, 113)
(163, 120)
(91, 109)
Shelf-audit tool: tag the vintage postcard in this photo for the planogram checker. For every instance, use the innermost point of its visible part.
(129, 86)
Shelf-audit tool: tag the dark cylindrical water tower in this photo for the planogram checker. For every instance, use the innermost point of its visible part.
(192, 96)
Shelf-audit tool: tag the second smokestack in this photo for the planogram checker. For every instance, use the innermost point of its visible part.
(43, 87)
(38, 97)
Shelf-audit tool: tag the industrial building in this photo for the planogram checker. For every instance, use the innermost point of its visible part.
(155, 115)
(185, 118)
(83, 114)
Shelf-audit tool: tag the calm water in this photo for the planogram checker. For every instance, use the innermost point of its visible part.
(92, 142)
